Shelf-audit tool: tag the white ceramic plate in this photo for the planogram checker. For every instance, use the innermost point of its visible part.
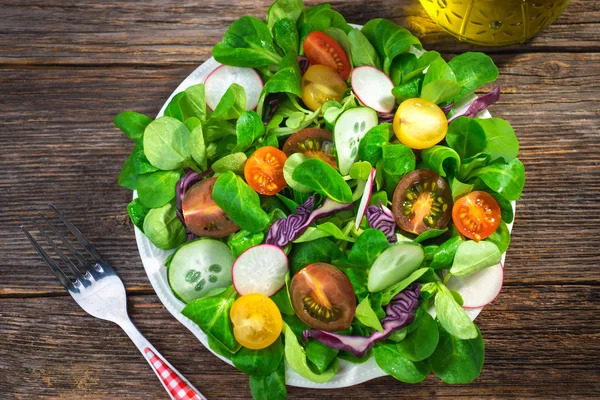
(153, 259)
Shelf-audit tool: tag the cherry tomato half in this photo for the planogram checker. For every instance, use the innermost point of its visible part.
(202, 215)
(422, 201)
(321, 48)
(323, 297)
(264, 170)
(256, 321)
(476, 215)
(420, 124)
(313, 143)
(320, 84)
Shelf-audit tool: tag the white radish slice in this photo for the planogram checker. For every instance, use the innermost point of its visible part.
(218, 81)
(366, 197)
(480, 288)
(260, 269)
(373, 88)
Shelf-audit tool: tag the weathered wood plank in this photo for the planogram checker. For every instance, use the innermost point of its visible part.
(167, 33)
(58, 144)
(541, 342)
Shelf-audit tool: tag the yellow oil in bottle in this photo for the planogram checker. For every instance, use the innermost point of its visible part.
(494, 22)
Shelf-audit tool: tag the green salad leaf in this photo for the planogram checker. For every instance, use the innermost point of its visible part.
(421, 341)
(441, 159)
(389, 39)
(472, 257)
(157, 188)
(232, 105)
(507, 179)
(390, 360)
(166, 143)
(362, 51)
(286, 37)
(239, 202)
(132, 124)
(458, 360)
(366, 315)
(319, 250)
(472, 71)
(137, 212)
(452, 317)
(370, 148)
(284, 9)
(323, 179)
(247, 43)
(367, 248)
(211, 314)
(439, 83)
(259, 362)
(500, 237)
(269, 387)
(163, 228)
(319, 355)
(296, 359)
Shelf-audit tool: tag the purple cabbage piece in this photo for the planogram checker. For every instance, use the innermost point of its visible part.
(400, 312)
(478, 105)
(286, 230)
(304, 63)
(386, 117)
(185, 182)
(382, 218)
(273, 105)
(446, 109)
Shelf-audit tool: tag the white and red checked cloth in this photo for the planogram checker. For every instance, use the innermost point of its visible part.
(177, 387)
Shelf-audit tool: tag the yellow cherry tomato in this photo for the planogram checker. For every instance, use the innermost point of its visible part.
(256, 321)
(320, 84)
(420, 124)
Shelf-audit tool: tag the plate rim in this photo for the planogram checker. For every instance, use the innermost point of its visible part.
(152, 258)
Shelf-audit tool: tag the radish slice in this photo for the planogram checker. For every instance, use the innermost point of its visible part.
(260, 269)
(373, 88)
(366, 197)
(218, 81)
(480, 288)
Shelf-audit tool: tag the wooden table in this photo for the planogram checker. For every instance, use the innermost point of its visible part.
(67, 68)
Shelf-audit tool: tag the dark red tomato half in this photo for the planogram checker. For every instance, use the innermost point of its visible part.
(313, 143)
(321, 48)
(202, 215)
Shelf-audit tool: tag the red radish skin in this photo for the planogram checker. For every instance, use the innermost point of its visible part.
(366, 198)
(373, 88)
(219, 80)
(238, 265)
(495, 272)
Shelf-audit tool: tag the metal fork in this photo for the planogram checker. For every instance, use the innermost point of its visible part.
(100, 292)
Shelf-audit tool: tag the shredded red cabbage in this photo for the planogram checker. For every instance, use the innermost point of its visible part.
(185, 182)
(273, 105)
(478, 105)
(304, 63)
(400, 312)
(382, 218)
(286, 230)
(446, 109)
(386, 117)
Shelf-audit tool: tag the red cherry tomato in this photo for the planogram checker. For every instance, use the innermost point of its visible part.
(320, 48)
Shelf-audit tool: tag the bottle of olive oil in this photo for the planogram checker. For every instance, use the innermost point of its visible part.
(494, 22)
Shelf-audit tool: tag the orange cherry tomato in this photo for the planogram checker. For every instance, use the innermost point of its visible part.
(264, 170)
(321, 48)
(476, 215)
(320, 84)
(256, 321)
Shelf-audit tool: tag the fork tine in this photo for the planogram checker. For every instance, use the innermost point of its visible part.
(78, 235)
(82, 261)
(58, 251)
(55, 269)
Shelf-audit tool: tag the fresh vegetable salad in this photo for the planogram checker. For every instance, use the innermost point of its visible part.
(325, 190)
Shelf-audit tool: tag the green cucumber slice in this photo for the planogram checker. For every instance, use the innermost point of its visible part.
(349, 129)
(394, 264)
(198, 267)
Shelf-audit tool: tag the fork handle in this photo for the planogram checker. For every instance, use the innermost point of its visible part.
(174, 383)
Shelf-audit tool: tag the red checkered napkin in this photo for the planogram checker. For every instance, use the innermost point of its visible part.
(177, 387)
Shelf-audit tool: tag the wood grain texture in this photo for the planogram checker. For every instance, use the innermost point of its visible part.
(67, 68)
(531, 351)
(167, 33)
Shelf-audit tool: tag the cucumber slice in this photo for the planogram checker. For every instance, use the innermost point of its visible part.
(198, 267)
(394, 264)
(349, 129)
